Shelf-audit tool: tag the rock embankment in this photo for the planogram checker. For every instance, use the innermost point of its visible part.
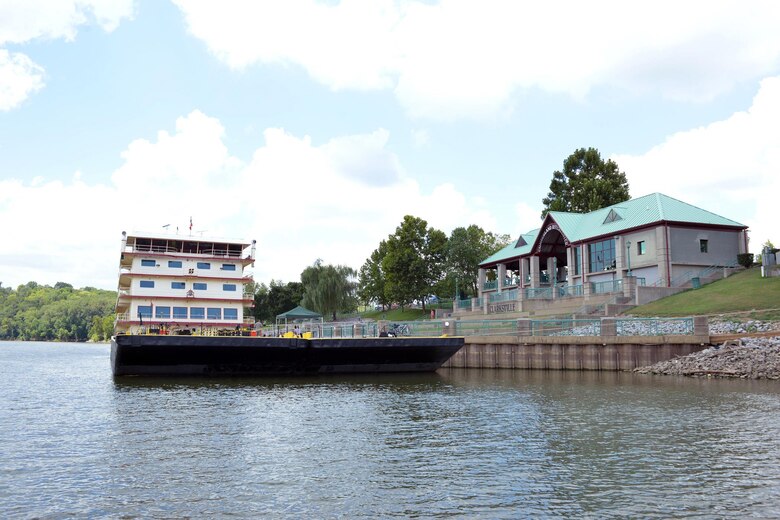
(747, 357)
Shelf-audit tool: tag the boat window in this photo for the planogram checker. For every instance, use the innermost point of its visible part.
(162, 312)
(228, 287)
(197, 313)
(174, 263)
(199, 286)
(177, 285)
(231, 314)
(204, 265)
(180, 313)
(147, 284)
(228, 267)
(144, 311)
(214, 313)
(145, 262)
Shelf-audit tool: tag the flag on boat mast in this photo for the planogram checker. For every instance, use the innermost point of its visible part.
(190, 223)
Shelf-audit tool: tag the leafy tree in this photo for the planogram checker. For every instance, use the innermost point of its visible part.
(414, 261)
(587, 183)
(41, 312)
(329, 289)
(276, 298)
(371, 279)
(260, 292)
(466, 248)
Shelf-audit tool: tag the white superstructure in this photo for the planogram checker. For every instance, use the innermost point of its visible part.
(173, 282)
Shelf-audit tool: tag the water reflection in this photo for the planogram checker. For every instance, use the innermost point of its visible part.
(470, 443)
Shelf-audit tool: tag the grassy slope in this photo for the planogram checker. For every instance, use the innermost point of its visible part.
(744, 293)
(397, 314)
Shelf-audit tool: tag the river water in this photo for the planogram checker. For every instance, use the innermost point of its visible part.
(469, 444)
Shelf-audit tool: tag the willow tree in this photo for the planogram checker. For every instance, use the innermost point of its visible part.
(329, 289)
(587, 183)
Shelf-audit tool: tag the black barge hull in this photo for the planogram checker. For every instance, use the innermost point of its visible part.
(148, 355)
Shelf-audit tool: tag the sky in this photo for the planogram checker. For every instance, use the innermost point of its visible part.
(314, 127)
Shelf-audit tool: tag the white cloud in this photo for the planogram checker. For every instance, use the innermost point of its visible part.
(729, 167)
(527, 218)
(19, 78)
(300, 201)
(24, 21)
(455, 59)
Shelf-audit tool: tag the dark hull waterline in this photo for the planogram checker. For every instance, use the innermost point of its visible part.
(240, 356)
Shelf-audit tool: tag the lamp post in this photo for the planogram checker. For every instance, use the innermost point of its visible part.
(628, 253)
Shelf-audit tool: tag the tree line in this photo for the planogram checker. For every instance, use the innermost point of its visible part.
(60, 313)
(412, 265)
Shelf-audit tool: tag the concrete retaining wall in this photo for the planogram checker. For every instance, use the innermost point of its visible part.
(572, 353)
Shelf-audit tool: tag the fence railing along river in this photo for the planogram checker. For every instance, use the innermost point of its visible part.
(550, 344)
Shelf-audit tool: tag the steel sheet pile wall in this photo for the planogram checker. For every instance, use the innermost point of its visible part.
(608, 351)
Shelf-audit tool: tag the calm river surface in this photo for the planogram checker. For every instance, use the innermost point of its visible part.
(469, 444)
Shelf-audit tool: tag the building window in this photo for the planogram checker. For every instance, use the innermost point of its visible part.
(180, 313)
(214, 313)
(576, 260)
(602, 256)
(228, 287)
(162, 312)
(703, 245)
(174, 263)
(231, 314)
(197, 313)
(144, 311)
(204, 265)
(177, 285)
(640, 248)
(199, 286)
(147, 284)
(228, 267)
(148, 263)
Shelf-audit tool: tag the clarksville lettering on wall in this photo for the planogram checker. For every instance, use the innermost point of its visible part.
(494, 308)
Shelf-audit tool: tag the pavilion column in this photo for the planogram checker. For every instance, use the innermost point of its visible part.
(501, 277)
(523, 272)
(552, 275)
(535, 273)
(481, 281)
(570, 263)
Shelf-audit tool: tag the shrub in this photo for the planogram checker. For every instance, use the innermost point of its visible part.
(745, 260)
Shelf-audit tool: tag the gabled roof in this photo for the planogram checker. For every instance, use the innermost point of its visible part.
(635, 213)
(517, 248)
(639, 212)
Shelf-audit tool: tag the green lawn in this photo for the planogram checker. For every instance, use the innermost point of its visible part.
(744, 293)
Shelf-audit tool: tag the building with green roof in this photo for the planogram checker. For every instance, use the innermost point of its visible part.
(654, 240)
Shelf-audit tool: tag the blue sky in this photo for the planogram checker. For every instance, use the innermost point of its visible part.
(314, 127)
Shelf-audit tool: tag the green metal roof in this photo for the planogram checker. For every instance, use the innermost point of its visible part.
(513, 250)
(631, 214)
